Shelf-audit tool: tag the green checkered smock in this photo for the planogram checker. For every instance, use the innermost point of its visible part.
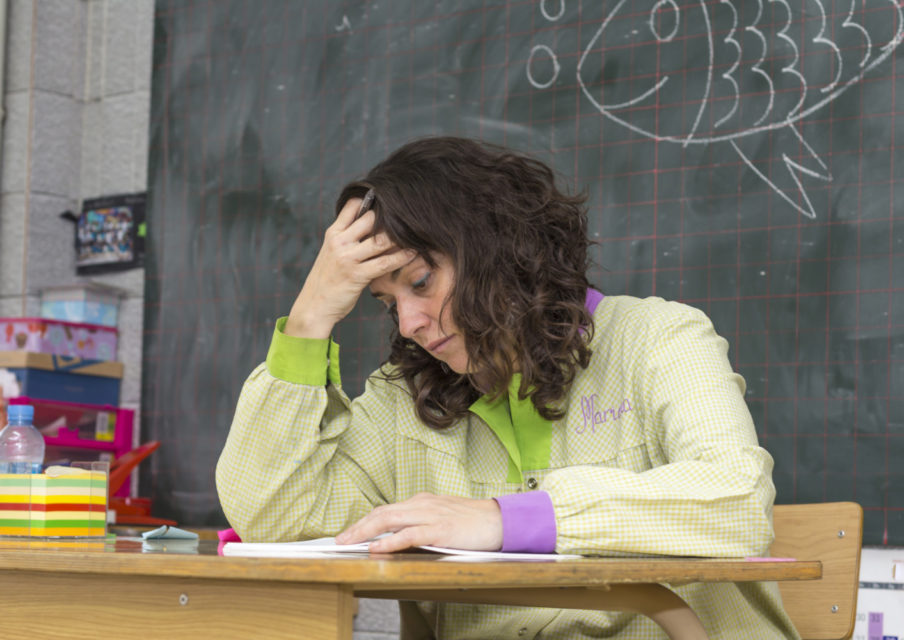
(657, 454)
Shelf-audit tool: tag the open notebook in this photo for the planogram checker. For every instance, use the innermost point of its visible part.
(321, 547)
(327, 547)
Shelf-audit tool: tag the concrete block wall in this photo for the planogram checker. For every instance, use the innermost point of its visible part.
(77, 108)
(376, 620)
(77, 100)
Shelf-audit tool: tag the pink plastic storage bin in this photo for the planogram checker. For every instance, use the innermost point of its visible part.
(82, 431)
(57, 337)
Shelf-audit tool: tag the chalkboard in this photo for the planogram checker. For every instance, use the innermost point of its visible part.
(745, 157)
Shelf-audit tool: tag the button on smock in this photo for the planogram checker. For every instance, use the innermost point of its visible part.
(532, 483)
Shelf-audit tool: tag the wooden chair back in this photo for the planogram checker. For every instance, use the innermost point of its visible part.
(831, 532)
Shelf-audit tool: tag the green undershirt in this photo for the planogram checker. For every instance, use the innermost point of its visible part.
(315, 361)
(529, 444)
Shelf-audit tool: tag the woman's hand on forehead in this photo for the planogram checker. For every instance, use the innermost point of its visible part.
(351, 257)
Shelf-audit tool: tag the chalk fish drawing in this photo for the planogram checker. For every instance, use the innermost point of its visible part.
(766, 65)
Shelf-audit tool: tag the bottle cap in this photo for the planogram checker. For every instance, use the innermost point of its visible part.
(20, 412)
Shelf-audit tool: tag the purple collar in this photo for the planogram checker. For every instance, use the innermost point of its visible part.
(594, 297)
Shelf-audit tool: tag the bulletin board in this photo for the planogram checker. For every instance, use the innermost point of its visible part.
(746, 158)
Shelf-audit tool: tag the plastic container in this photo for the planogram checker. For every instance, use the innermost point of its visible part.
(21, 445)
(79, 431)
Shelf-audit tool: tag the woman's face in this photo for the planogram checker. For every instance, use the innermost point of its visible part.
(419, 293)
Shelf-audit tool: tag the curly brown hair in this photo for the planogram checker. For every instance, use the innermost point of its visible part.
(519, 248)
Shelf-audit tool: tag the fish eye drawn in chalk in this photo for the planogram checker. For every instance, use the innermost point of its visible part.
(552, 17)
(542, 48)
(656, 12)
(739, 99)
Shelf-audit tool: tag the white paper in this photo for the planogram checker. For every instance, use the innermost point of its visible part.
(301, 548)
(328, 547)
(496, 555)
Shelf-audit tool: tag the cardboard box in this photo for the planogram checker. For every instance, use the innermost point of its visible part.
(56, 337)
(88, 302)
(42, 375)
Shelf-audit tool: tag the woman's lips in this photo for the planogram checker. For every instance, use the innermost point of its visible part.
(437, 345)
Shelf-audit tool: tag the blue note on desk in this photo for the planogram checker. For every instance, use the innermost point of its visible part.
(170, 539)
(169, 533)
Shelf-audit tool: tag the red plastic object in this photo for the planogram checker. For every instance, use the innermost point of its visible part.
(122, 466)
(130, 506)
(134, 511)
(149, 521)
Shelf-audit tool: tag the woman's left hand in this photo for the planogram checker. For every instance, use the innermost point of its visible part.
(427, 519)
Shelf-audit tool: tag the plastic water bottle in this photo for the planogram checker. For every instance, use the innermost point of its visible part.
(21, 445)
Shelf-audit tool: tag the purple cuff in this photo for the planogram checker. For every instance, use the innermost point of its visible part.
(528, 522)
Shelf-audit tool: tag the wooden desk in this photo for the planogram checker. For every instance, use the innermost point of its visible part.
(118, 591)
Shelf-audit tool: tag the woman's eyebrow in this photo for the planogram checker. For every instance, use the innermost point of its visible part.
(393, 276)
(397, 272)
(378, 294)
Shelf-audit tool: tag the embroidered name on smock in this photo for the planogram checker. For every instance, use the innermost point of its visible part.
(594, 416)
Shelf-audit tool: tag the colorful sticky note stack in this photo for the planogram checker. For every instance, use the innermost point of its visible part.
(49, 505)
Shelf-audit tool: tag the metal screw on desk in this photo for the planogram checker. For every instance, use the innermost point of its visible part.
(183, 599)
(841, 533)
(834, 608)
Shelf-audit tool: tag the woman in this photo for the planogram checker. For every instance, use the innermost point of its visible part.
(519, 409)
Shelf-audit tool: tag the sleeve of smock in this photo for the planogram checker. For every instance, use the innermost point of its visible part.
(710, 491)
(288, 455)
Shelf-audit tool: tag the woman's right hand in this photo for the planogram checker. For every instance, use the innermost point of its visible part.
(349, 259)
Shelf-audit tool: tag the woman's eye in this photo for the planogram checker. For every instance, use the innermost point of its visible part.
(421, 282)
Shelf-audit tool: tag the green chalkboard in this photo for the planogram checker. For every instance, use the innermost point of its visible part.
(744, 157)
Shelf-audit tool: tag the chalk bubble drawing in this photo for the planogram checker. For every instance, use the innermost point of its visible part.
(552, 17)
(758, 68)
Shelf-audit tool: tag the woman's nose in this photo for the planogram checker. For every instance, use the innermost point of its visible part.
(411, 318)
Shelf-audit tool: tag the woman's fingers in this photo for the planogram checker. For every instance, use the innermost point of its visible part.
(371, 247)
(354, 222)
(388, 262)
(349, 212)
(427, 519)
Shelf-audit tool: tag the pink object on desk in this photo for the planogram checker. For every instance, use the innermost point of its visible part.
(228, 535)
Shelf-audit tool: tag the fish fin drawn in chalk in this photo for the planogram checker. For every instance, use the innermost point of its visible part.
(758, 69)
